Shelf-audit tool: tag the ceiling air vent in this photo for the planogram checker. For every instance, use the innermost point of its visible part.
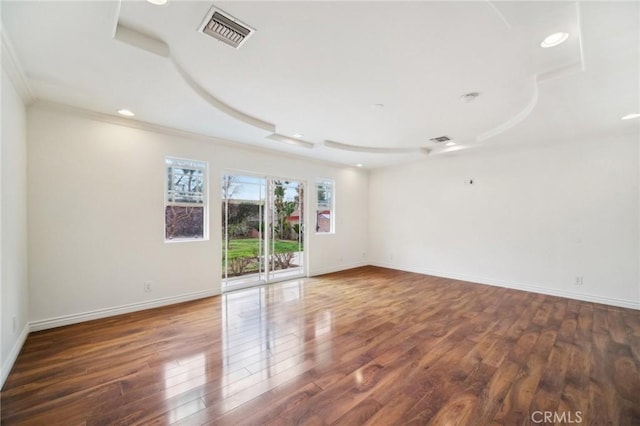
(226, 28)
(440, 139)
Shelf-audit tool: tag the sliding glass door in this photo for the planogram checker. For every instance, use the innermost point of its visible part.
(262, 230)
(243, 229)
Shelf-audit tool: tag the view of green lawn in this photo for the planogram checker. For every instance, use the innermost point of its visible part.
(248, 247)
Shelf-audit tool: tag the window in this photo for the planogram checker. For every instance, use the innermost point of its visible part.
(324, 206)
(185, 201)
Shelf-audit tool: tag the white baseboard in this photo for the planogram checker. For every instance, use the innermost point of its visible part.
(516, 286)
(331, 270)
(108, 312)
(123, 309)
(7, 365)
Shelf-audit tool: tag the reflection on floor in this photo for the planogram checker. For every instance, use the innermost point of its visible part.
(369, 345)
(250, 280)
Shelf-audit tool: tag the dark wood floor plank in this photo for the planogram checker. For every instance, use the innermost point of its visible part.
(281, 399)
(365, 346)
(493, 394)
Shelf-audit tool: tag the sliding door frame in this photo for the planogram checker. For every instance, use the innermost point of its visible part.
(265, 275)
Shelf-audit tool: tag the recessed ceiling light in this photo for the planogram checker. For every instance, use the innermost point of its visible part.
(554, 39)
(158, 2)
(450, 143)
(126, 112)
(298, 135)
(359, 165)
(630, 116)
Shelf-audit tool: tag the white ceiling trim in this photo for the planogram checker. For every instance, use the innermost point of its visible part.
(141, 41)
(290, 141)
(513, 121)
(381, 97)
(218, 104)
(171, 131)
(368, 149)
(580, 44)
(159, 47)
(560, 72)
(500, 15)
(14, 69)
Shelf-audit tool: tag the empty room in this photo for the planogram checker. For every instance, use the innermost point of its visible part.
(320, 212)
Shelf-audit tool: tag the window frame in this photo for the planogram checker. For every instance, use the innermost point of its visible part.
(202, 201)
(332, 205)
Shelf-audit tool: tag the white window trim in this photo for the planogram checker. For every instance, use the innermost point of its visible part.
(196, 165)
(332, 207)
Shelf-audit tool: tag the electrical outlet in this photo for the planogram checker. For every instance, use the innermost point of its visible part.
(578, 281)
(147, 286)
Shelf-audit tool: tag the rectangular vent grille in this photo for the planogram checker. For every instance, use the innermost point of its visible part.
(440, 139)
(225, 28)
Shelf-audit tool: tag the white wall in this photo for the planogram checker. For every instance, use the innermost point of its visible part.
(13, 231)
(534, 219)
(96, 216)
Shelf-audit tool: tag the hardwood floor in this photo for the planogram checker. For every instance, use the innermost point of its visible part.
(366, 346)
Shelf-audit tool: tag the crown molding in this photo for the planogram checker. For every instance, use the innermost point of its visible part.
(14, 69)
(171, 131)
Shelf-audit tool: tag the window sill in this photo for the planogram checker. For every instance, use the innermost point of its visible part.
(185, 240)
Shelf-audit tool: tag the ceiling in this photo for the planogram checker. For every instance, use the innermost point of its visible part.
(363, 82)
